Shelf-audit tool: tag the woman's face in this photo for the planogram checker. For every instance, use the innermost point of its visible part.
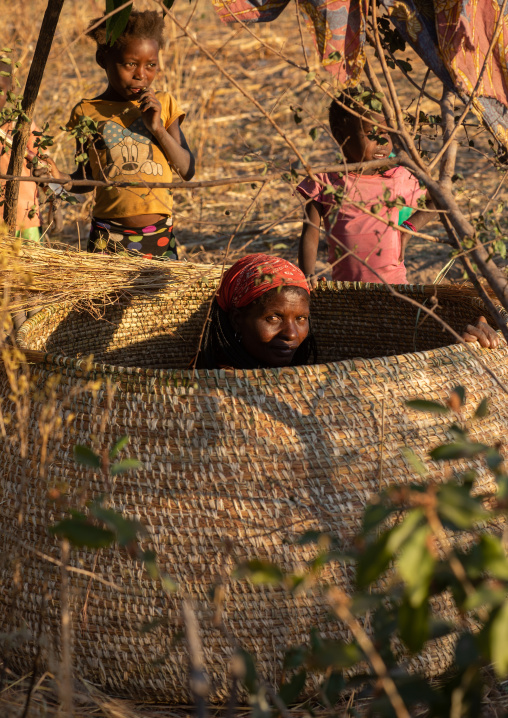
(272, 331)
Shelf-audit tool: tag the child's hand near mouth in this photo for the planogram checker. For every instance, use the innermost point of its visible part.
(151, 109)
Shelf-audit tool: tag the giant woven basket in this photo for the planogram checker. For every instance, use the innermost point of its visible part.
(236, 465)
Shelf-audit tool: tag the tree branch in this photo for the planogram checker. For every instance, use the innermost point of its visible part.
(23, 124)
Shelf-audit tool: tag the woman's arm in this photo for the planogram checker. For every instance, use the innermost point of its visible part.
(309, 240)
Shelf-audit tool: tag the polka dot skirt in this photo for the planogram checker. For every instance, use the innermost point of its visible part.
(155, 241)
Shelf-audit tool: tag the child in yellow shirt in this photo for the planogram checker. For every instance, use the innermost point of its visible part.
(137, 138)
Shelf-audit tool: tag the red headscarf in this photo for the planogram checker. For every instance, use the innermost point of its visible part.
(255, 274)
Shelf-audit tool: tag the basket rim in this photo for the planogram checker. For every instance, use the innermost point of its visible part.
(85, 367)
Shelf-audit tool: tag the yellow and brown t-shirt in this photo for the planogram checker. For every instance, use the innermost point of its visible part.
(125, 151)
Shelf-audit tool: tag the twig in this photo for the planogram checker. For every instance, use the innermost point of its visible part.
(23, 124)
(405, 135)
(381, 444)
(33, 677)
(339, 602)
(65, 682)
(199, 683)
(240, 179)
(299, 20)
(419, 101)
(472, 97)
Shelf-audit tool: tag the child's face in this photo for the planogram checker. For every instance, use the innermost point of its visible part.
(361, 145)
(132, 68)
(5, 86)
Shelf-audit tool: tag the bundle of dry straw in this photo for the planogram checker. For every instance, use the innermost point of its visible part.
(34, 276)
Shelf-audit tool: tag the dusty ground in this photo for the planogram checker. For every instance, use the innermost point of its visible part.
(228, 134)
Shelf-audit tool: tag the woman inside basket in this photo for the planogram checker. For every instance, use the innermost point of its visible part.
(259, 317)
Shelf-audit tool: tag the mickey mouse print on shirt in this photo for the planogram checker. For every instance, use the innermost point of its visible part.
(129, 149)
(123, 150)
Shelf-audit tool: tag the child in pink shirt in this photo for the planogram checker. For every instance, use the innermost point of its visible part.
(347, 226)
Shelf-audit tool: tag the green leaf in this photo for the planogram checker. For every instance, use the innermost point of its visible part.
(259, 572)
(374, 515)
(118, 446)
(168, 3)
(333, 686)
(294, 657)
(400, 533)
(492, 557)
(126, 530)
(466, 652)
(313, 132)
(121, 467)
(374, 561)
(457, 450)
(169, 584)
(377, 555)
(363, 602)
(484, 596)
(482, 410)
(414, 461)
(117, 23)
(81, 533)
(458, 508)
(86, 457)
(334, 654)
(290, 691)
(498, 635)
(414, 624)
(430, 406)
(250, 676)
(416, 565)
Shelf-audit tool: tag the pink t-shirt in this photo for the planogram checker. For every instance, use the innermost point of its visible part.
(369, 238)
(28, 197)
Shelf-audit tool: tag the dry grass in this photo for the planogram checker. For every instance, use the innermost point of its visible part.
(34, 276)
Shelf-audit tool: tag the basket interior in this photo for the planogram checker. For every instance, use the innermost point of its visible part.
(162, 331)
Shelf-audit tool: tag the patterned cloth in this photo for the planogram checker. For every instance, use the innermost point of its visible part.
(155, 241)
(253, 275)
(451, 36)
(337, 26)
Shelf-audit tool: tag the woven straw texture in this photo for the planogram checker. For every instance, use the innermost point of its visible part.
(236, 465)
